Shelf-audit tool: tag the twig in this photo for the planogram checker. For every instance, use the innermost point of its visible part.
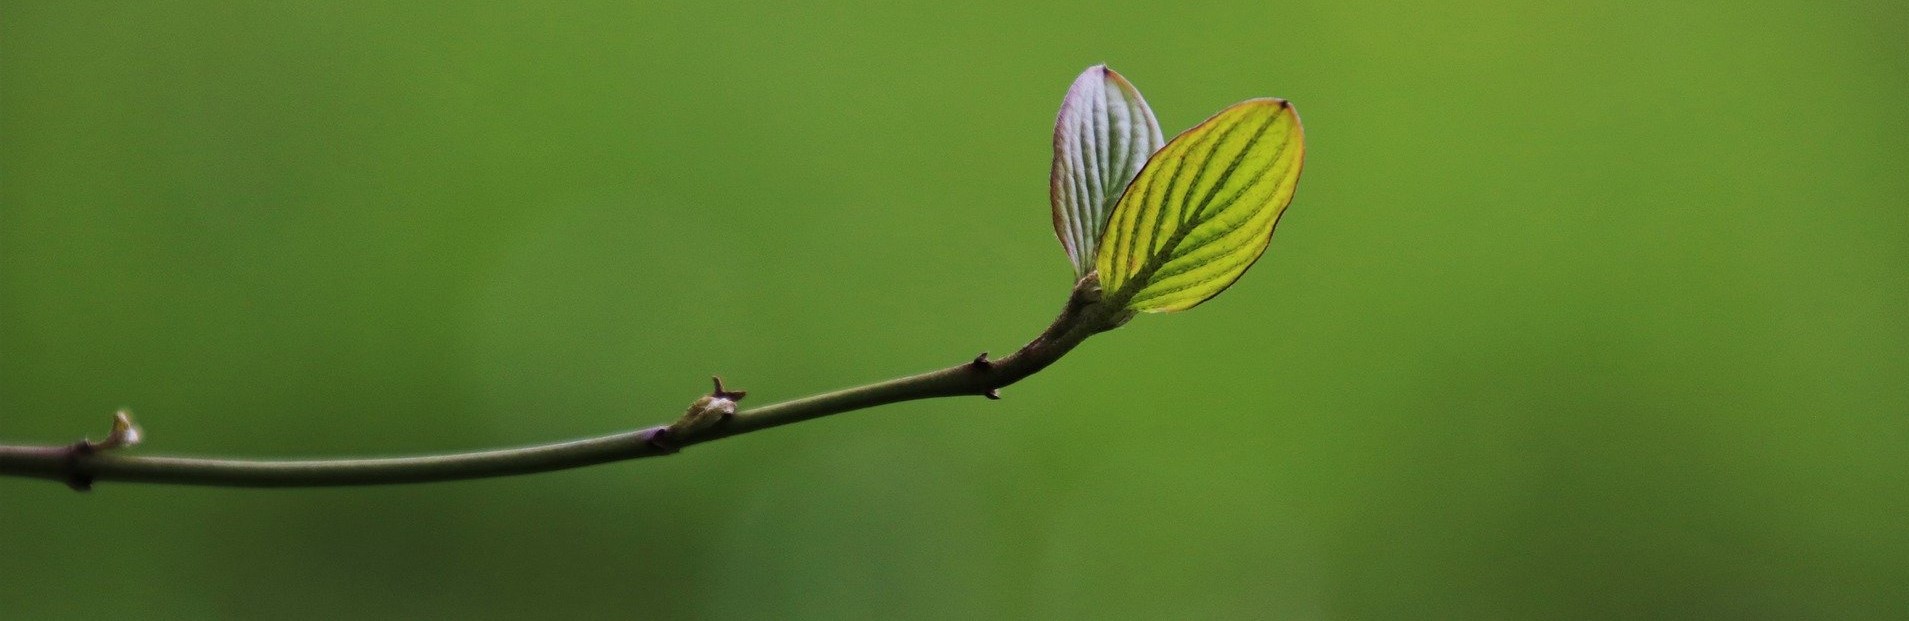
(84, 463)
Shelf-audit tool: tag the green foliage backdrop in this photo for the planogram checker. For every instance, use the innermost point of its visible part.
(1584, 310)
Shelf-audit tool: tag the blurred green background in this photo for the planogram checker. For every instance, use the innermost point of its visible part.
(1584, 310)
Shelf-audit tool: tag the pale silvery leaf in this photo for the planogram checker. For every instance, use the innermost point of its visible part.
(1105, 132)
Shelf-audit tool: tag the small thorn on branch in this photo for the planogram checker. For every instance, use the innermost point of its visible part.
(123, 434)
(981, 362)
(721, 393)
(708, 411)
(993, 393)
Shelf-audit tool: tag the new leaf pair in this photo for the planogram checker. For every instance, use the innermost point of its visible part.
(1168, 227)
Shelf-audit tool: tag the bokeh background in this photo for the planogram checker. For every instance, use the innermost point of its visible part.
(1584, 310)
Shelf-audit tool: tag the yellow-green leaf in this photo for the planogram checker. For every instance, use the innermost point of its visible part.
(1203, 208)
